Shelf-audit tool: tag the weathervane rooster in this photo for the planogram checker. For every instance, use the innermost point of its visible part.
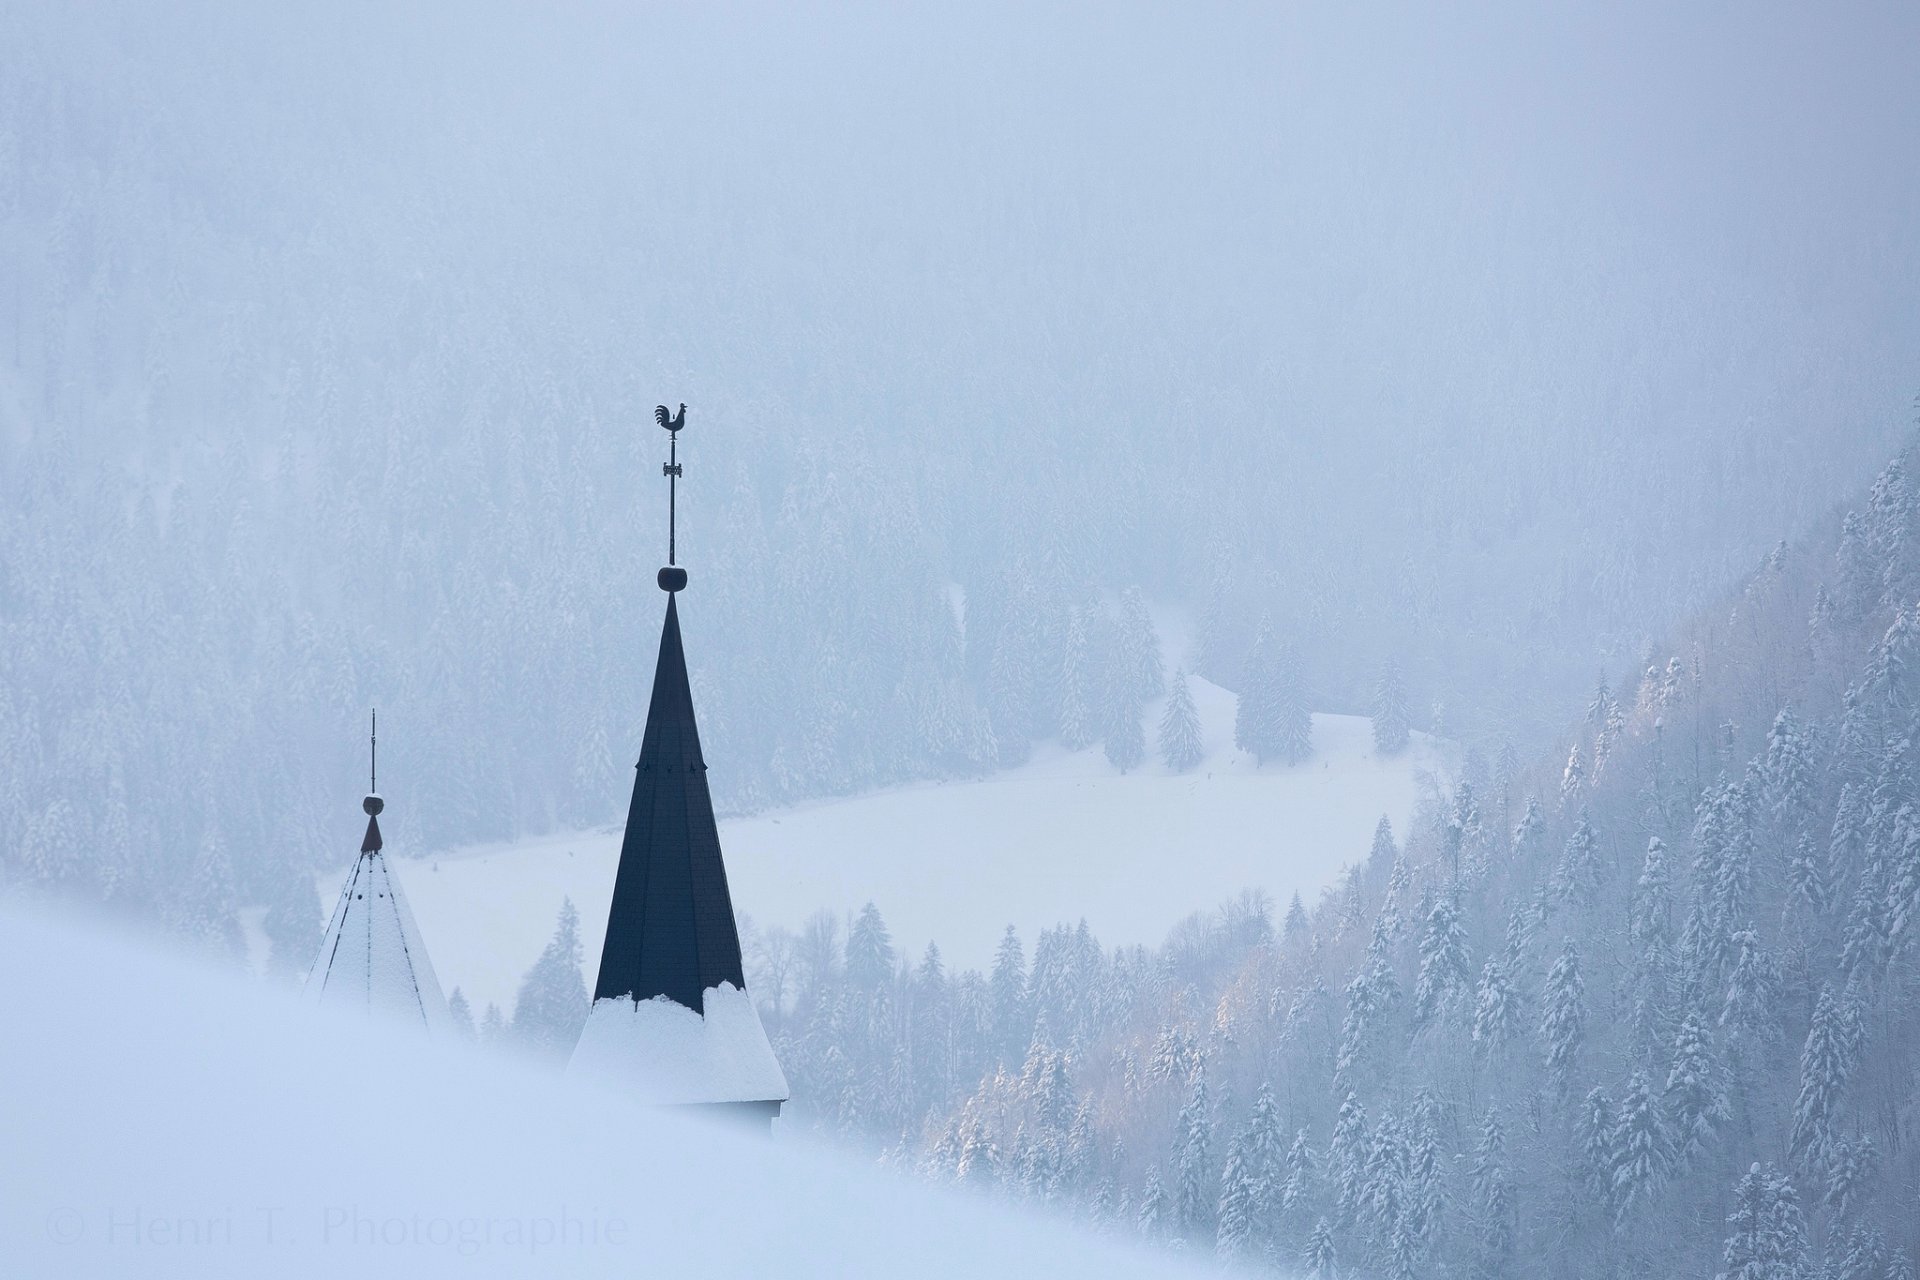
(673, 577)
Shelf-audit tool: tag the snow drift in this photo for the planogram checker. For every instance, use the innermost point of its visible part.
(168, 1120)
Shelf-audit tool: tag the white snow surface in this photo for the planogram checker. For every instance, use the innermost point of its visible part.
(1062, 837)
(372, 958)
(660, 1051)
(168, 1119)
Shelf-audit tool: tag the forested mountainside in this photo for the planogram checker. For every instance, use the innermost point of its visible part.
(1653, 1010)
(329, 344)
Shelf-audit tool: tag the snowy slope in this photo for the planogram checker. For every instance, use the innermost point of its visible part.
(1062, 837)
(167, 1120)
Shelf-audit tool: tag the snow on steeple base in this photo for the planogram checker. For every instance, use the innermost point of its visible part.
(660, 1052)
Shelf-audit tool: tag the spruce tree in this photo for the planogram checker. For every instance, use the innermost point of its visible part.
(460, 1014)
(1319, 1257)
(552, 1004)
(1444, 972)
(1236, 1214)
(1181, 747)
(1293, 719)
(1383, 853)
(1145, 672)
(1826, 1065)
(1563, 1018)
(1296, 925)
(1078, 716)
(1347, 1159)
(1768, 1240)
(1266, 1158)
(1193, 1172)
(1493, 1198)
(870, 955)
(1695, 1092)
(1579, 874)
(1012, 1019)
(1496, 1011)
(1639, 1149)
(1125, 740)
(1155, 1210)
(1256, 713)
(1390, 715)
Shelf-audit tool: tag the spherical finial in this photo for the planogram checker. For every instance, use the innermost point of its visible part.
(373, 805)
(672, 578)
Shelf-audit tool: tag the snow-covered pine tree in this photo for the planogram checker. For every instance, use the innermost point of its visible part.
(1236, 1214)
(1347, 1160)
(1594, 1131)
(1155, 1209)
(1255, 715)
(1493, 1198)
(1319, 1255)
(1145, 672)
(1445, 975)
(1639, 1149)
(1573, 779)
(1180, 743)
(1390, 712)
(1826, 1065)
(1768, 1240)
(1293, 718)
(1579, 872)
(1078, 716)
(1563, 1022)
(1194, 1196)
(870, 955)
(1299, 1188)
(1012, 1018)
(1695, 1092)
(1857, 584)
(1124, 739)
(460, 1014)
(1496, 1010)
(1264, 1154)
(552, 1004)
(1296, 925)
(1384, 852)
(1852, 1168)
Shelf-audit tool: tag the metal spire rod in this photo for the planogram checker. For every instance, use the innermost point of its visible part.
(672, 578)
(373, 755)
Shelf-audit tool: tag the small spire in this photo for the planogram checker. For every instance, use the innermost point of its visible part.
(373, 804)
(673, 577)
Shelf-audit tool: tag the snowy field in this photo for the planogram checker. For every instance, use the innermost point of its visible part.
(169, 1120)
(1063, 837)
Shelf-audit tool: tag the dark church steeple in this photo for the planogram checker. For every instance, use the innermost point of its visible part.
(671, 1016)
(671, 930)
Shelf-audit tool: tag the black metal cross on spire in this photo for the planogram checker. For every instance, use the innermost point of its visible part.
(672, 578)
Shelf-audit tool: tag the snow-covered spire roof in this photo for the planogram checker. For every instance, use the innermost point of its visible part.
(670, 1010)
(371, 957)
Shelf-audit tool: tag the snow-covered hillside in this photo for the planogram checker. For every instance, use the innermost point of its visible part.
(170, 1120)
(1061, 838)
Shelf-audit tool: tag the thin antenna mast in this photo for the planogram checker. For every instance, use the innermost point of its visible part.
(373, 755)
